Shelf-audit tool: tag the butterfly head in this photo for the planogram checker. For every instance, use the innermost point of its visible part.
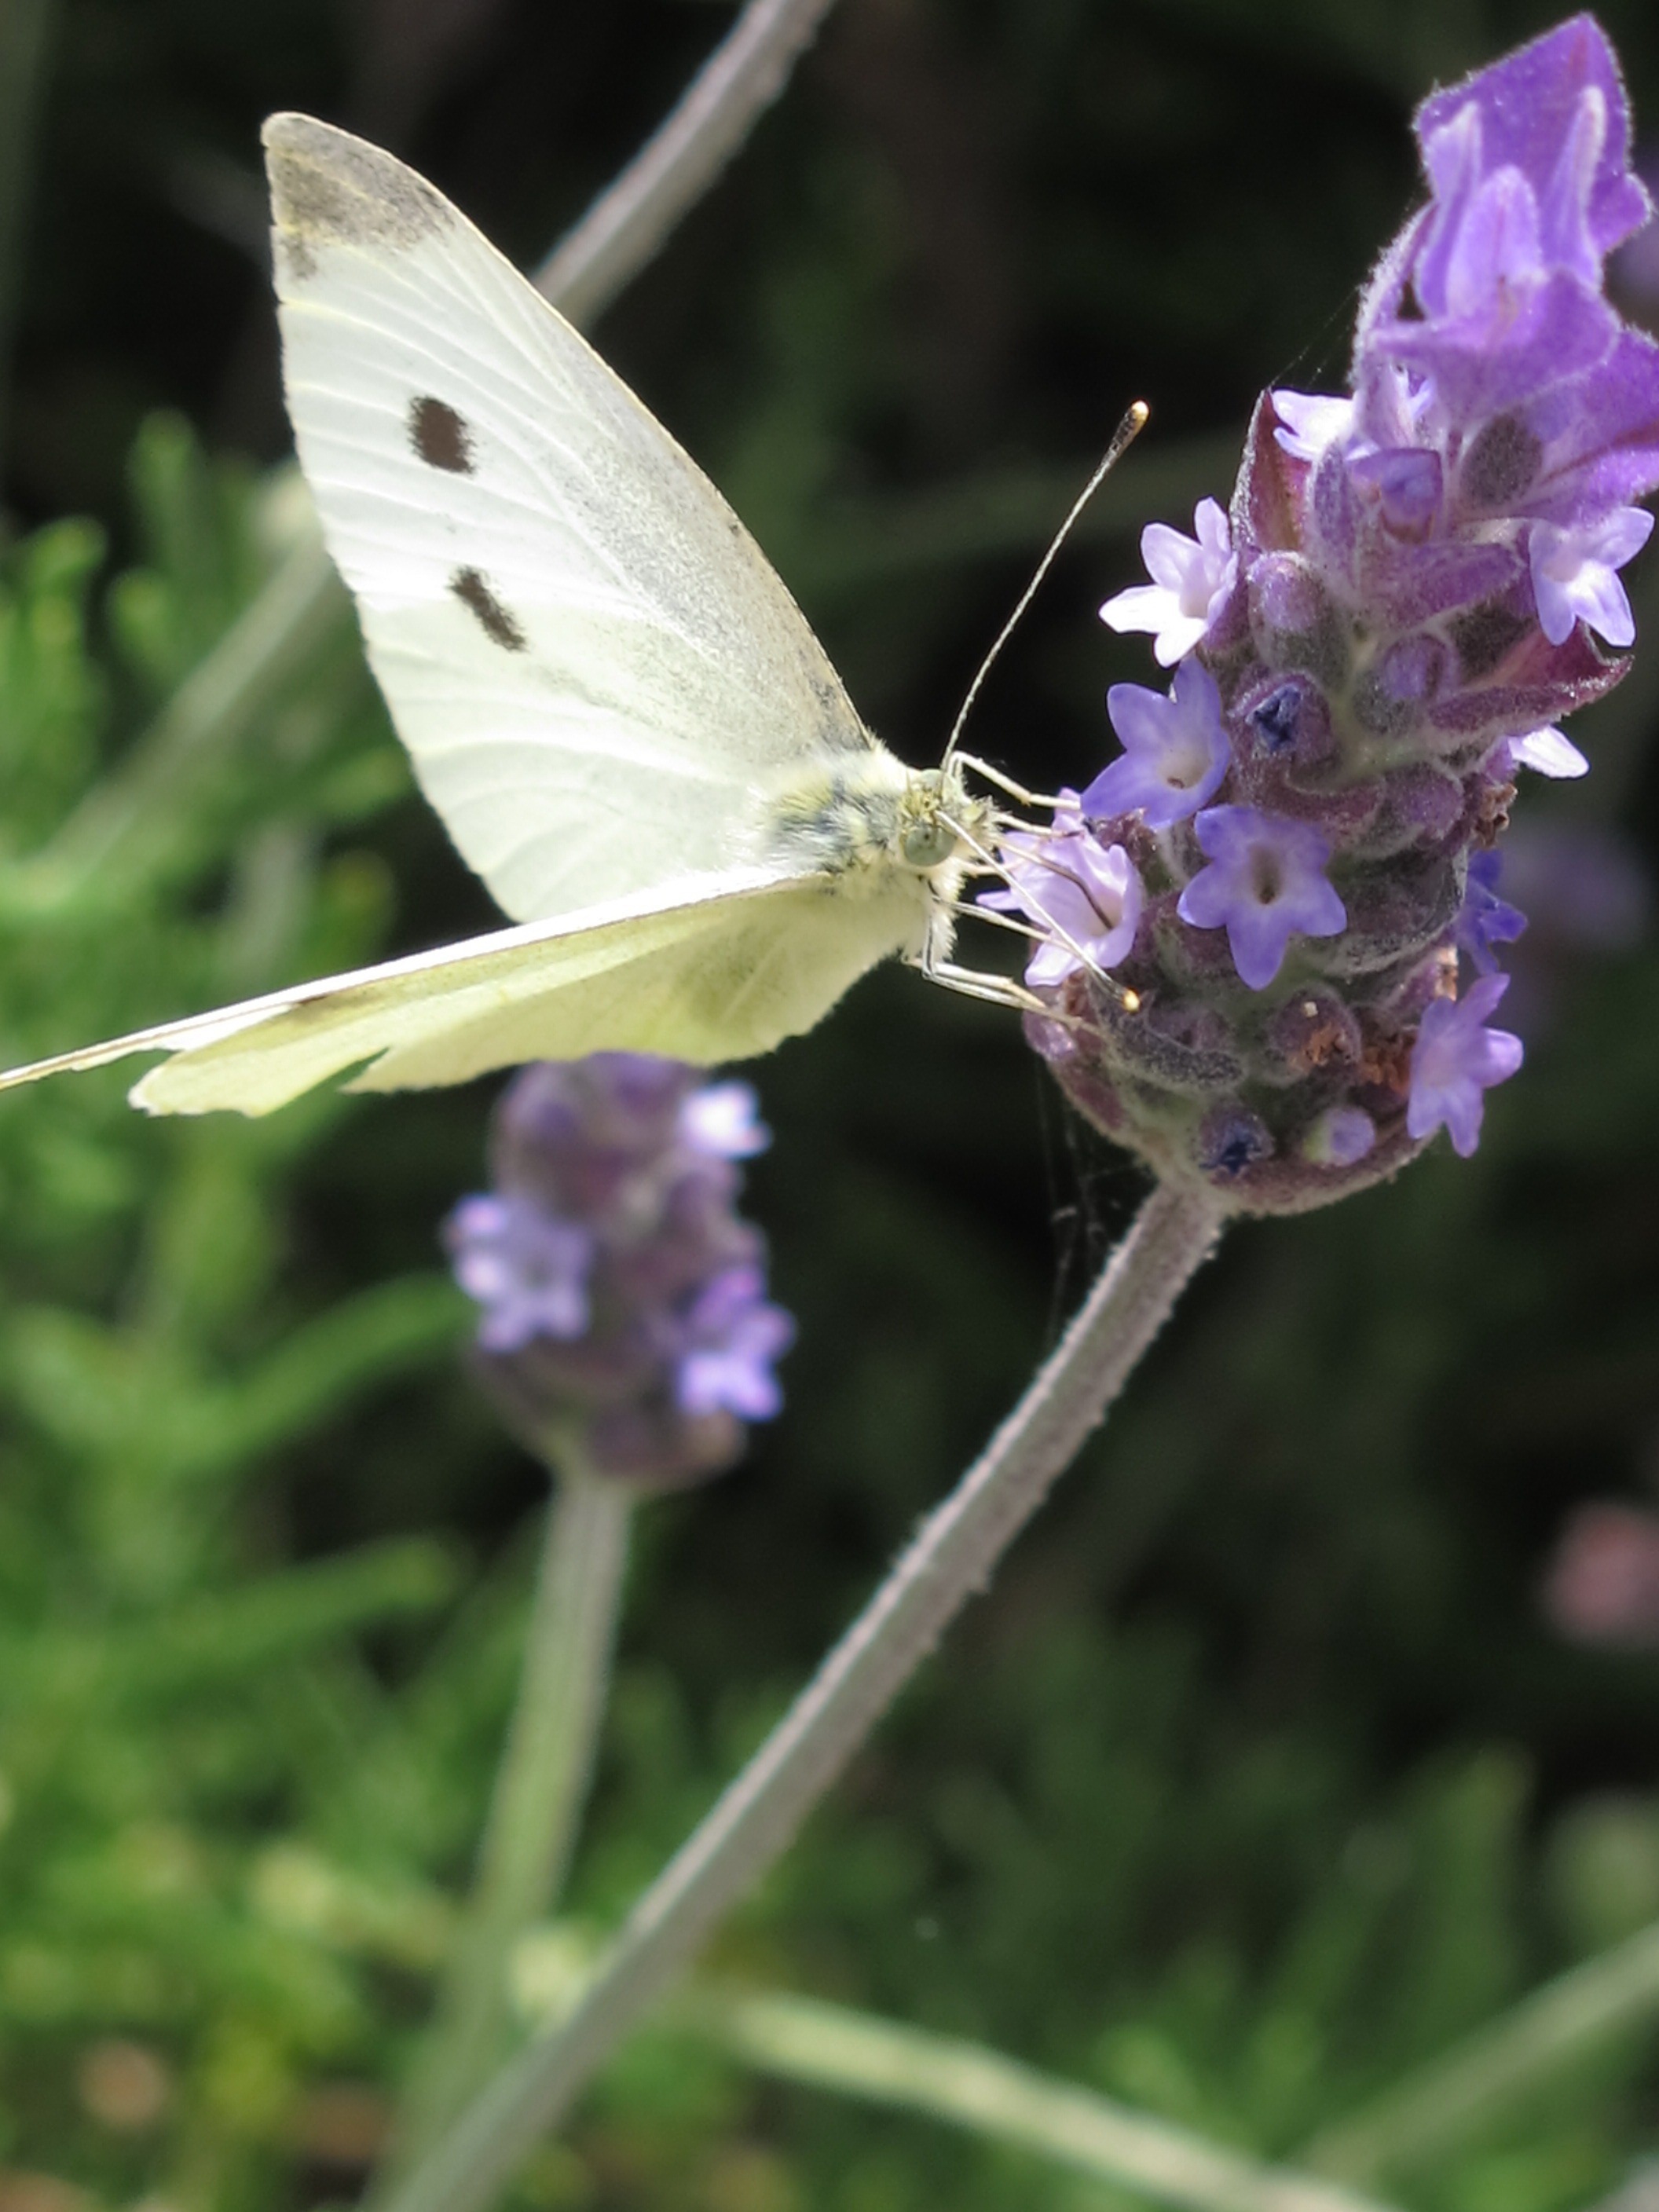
(939, 822)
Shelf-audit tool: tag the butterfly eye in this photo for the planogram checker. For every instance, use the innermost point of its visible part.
(927, 844)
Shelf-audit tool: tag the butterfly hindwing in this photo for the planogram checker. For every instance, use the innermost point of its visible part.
(700, 972)
(598, 674)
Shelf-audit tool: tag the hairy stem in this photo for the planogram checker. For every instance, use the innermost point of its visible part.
(623, 229)
(753, 1823)
(540, 1790)
(1445, 2103)
(833, 2047)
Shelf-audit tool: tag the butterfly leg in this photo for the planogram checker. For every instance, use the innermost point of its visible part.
(1016, 791)
(988, 864)
(974, 983)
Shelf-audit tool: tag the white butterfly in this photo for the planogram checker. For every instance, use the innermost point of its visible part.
(608, 696)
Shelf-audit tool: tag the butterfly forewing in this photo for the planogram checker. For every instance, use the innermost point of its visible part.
(598, 675)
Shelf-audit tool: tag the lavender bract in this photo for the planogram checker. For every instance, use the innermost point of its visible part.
(625, 1320)
(1417, 580)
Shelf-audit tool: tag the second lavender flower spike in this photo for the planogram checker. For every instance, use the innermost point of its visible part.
(624, 1323)
(1417, 579)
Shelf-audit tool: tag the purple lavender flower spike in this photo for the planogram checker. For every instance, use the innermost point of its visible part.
(1422, 574)
(1088, 894)
(1456, 1061)
(1265, 884)
(1175, 752)
(1191, 578)
(1575, 575)
(624, 1322)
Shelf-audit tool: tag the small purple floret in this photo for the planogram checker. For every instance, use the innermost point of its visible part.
(733, 1335)
(1485, 919)
(1455, 1062)
(1265, 884)
(720, 1120)
(1175, 752)
(1310, 420)
(1341, 1137)
(1191, 579)
(1547, 752)
(526, 1269)
(1087, 893)
(1575, 575)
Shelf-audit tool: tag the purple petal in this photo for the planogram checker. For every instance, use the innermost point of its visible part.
(720, 1119)
(1531, 105)
(1598, 434)
(1265, 884)
(1548, 753)
(1308, 422)
(1175, 751)
(1455, 1060)
(1518, 348)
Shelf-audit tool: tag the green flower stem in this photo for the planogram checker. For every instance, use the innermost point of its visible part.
(831, 2047)
(1445, 2104)
(951, 1556)
(541, 1787)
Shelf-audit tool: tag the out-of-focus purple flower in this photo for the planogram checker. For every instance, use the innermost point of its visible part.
(1456, 1061)
(1636, 265)
(1191, 578)
(526, 1268)
(1575, 575)
(720, 1120)
(1421, 577)
(732, 1337)
(1585, 887)
(1175, 752)
(1485, 919)
(1086, 894)
(1265, 884)
(1602, 1586)
(624, 1325)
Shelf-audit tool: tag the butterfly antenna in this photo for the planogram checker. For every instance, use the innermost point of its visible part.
(1124, 436)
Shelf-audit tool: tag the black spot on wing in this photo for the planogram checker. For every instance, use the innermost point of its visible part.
(439, 436)
(497, 623)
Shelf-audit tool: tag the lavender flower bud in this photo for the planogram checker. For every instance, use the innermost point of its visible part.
(1417, 580)
(624, 1317)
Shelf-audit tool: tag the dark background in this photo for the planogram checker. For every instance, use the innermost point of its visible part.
(1261, 1773)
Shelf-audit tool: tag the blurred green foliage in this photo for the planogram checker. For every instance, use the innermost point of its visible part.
(1259, 1780)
